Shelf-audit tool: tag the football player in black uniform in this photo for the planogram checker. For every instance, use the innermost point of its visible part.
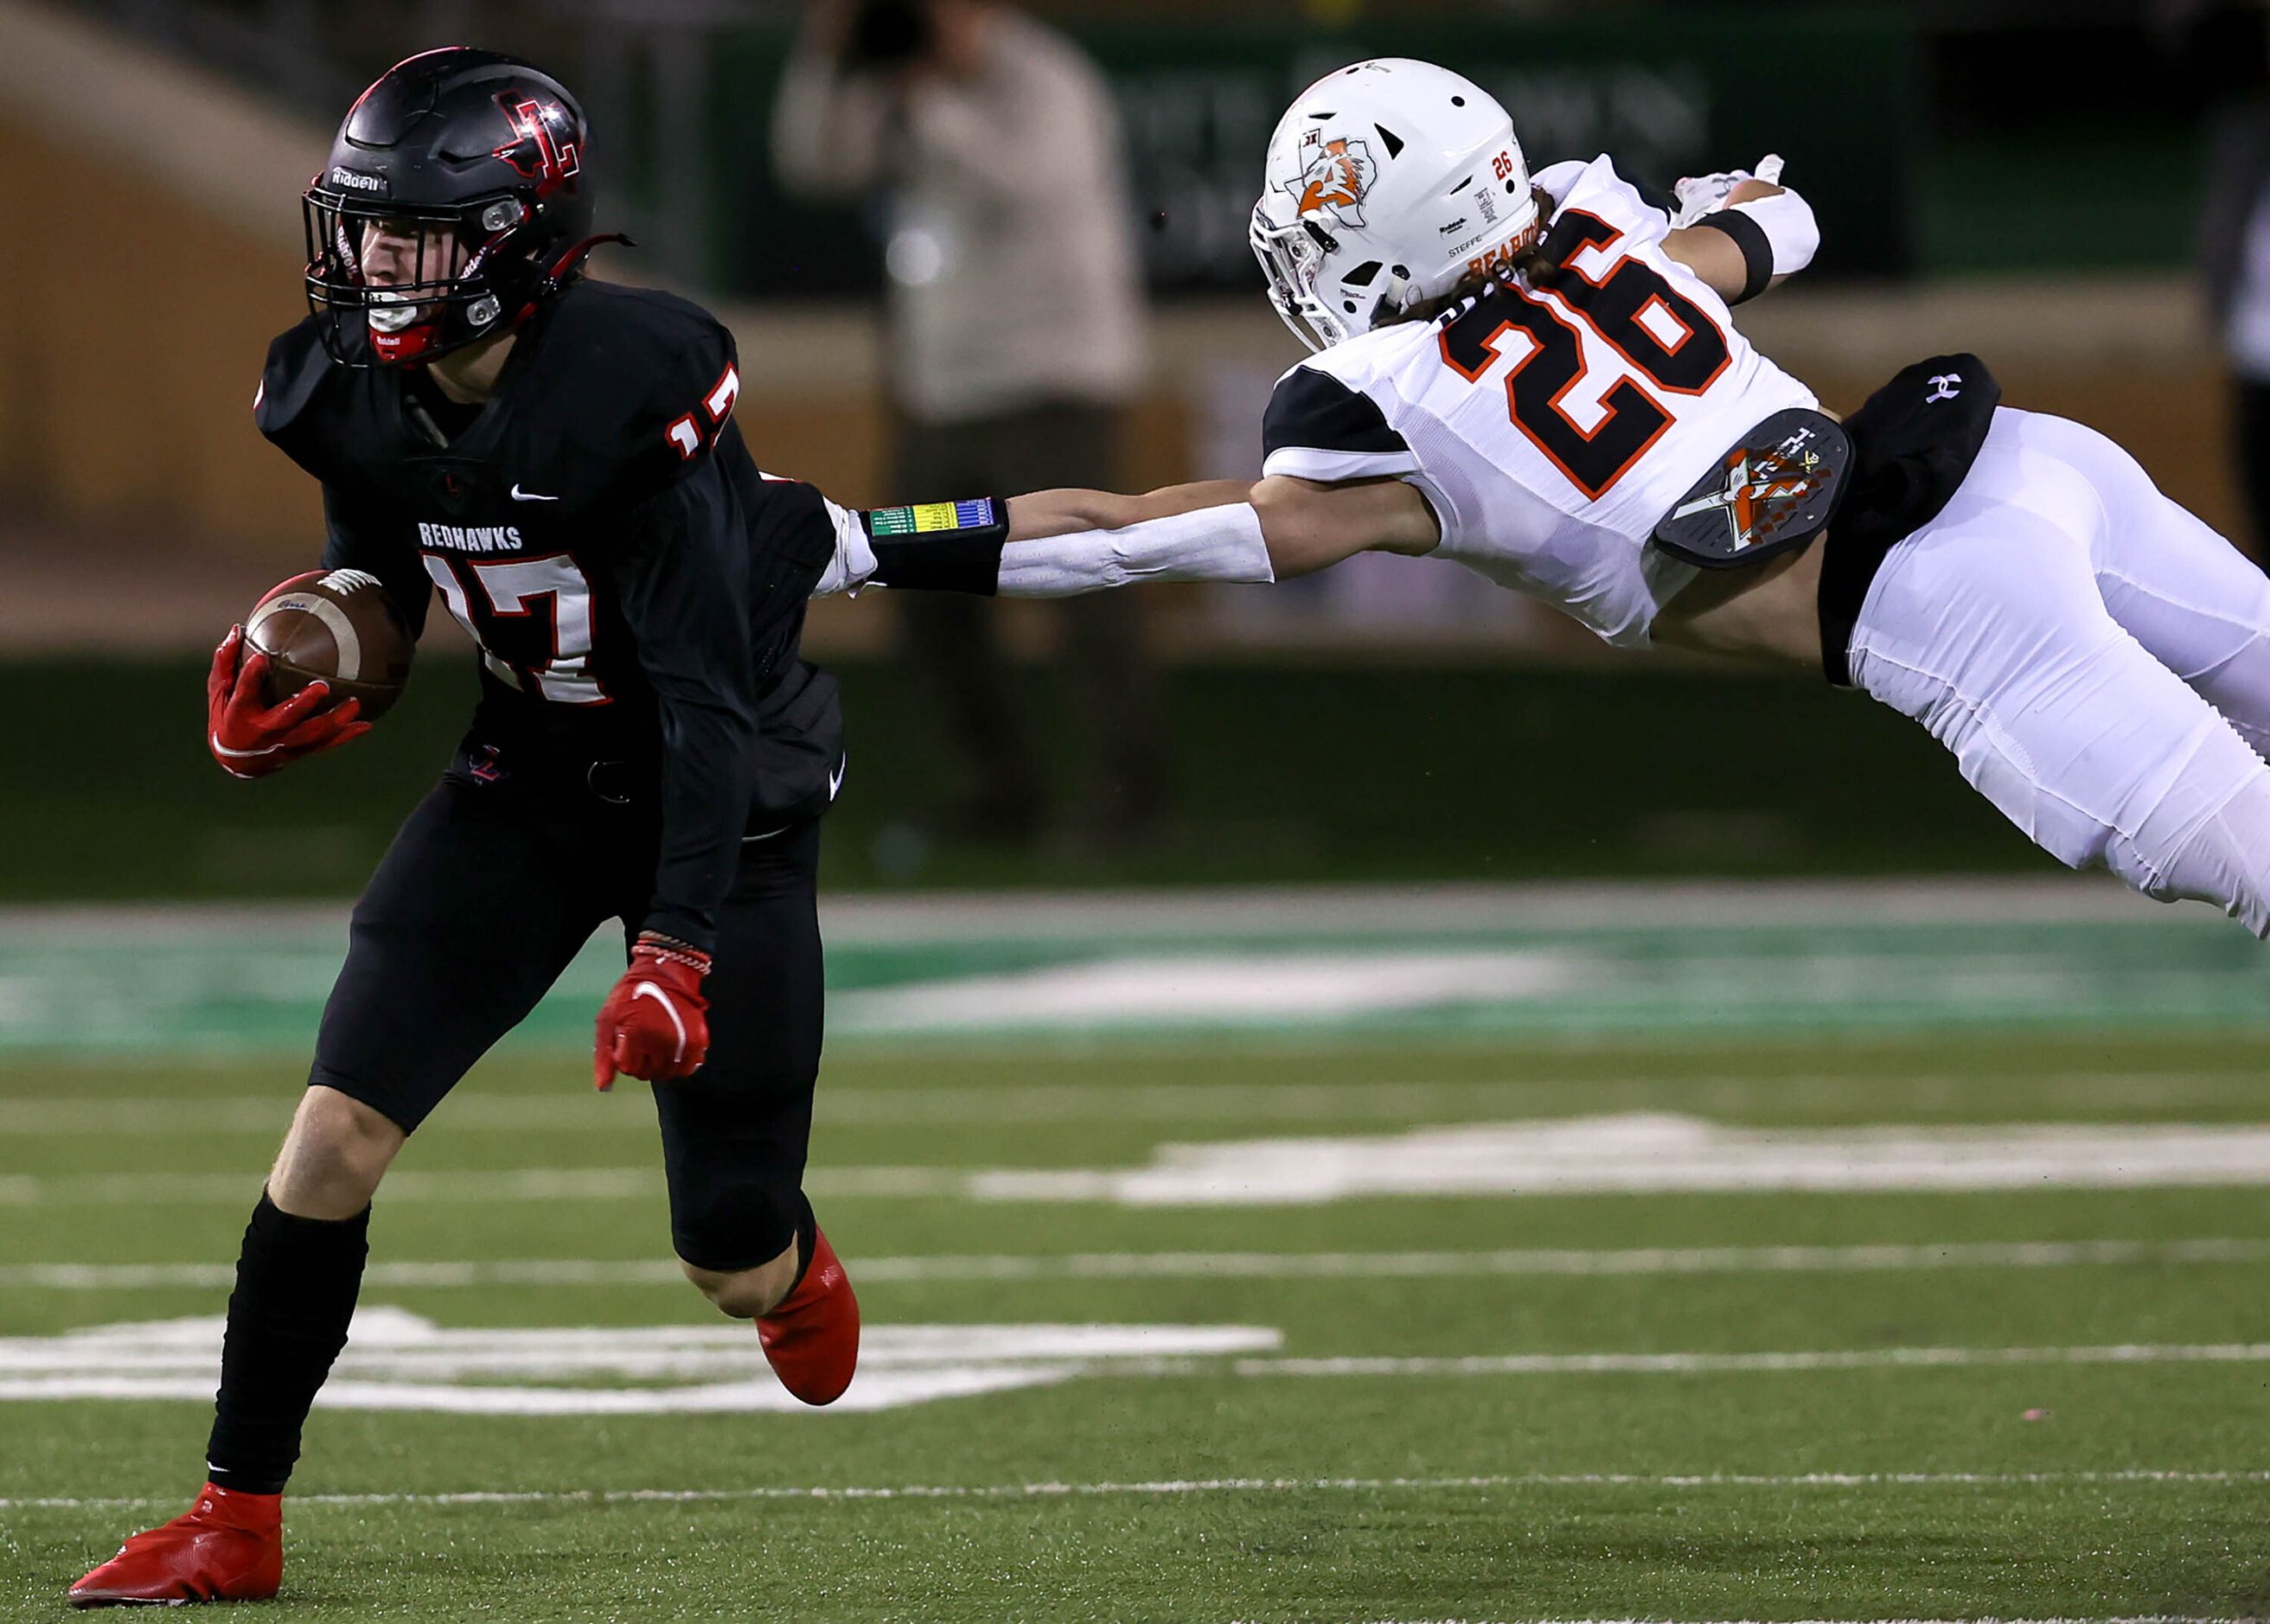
(557, 457)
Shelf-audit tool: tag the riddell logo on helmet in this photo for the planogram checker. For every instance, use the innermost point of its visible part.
(359, 182)
(1335, 177)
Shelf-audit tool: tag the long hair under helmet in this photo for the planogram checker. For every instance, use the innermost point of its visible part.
(480, 162)
(1388, 183)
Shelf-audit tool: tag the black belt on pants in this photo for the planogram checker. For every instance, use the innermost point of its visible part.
(610, 781)
(1913, 443)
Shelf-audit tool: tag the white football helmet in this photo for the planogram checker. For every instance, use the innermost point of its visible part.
(1387, 182)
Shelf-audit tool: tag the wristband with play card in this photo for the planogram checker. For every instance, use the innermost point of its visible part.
(939, 547)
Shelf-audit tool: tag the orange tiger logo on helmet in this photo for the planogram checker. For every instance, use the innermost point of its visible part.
(1336, 175)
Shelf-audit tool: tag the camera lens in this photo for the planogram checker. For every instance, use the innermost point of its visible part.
(887, 33)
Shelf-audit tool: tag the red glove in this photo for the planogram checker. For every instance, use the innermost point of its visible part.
(654, 1025)
(251, 740)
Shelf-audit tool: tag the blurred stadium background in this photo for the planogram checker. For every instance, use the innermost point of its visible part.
(1971, 197)
(1428, 861)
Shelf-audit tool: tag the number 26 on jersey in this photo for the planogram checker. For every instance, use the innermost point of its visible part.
(1655, 332)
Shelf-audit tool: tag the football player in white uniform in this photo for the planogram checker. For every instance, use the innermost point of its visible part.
(1540, 377)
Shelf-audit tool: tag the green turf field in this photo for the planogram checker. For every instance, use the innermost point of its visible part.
(1958, 1316)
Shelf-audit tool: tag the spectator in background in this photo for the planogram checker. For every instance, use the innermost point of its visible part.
(1016, 318)
(2223, 49)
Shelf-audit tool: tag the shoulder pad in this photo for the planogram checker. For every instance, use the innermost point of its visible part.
(297, 368)
(645, 381)
(1663, 203)
(1554, 179)
(316, 411)
(1317, 426)
(1600, 188)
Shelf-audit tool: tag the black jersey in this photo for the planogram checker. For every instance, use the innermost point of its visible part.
(636, 587)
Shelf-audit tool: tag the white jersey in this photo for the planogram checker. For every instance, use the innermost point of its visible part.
(1550, 429)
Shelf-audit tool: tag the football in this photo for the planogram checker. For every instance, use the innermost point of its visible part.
(336, 624)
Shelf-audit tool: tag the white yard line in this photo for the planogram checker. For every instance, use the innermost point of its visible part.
(399, 1360)
(1237, 986)
(1175, 1486)
(1641, 1261)
(1635, 1152)
(1820, 1359)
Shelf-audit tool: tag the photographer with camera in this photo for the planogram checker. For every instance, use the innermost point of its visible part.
(1016, 341)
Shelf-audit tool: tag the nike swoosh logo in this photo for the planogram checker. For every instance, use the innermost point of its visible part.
(835, 778)
(648, 990)
(520, 495)
(220, 749)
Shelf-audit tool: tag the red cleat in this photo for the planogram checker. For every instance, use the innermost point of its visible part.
(228, 1548)
(811, 1340)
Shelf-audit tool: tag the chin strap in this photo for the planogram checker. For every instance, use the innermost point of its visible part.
(572, 260)
(557, 274)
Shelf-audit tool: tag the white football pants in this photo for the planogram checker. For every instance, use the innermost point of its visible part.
(2097, 659)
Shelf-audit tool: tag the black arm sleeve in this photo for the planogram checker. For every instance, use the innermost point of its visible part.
(714, 602)
(358, 539)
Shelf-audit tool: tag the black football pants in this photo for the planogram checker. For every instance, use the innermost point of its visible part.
(488, 892)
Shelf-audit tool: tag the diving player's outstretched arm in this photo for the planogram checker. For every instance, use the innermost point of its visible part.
(1218, 530)
(1305, 525)
(1041, 514)
(1063, 543)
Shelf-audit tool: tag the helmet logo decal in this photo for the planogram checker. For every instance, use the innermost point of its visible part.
(536, 153)
(1335, 177)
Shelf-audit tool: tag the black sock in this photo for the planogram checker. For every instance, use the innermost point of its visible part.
(807, 1229)
(296, 1283)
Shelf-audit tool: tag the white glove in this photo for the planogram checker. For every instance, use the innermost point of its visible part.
(854, 565)
(1706, 193)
